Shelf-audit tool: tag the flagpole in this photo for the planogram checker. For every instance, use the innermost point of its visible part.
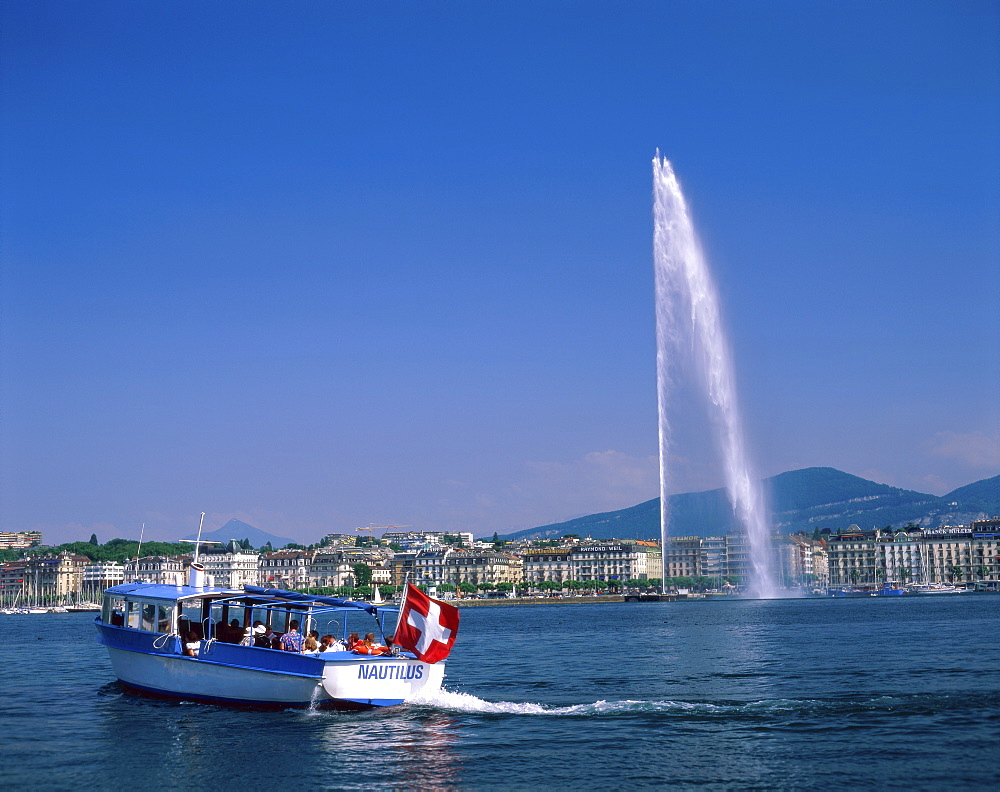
(402, 605)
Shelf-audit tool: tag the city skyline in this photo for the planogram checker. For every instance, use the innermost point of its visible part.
(346, 265)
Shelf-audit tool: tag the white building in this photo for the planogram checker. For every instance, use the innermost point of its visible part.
(99, 575)
(157, 569)
(286, 569)
(232, 567)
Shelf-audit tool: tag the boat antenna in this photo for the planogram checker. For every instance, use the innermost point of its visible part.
(197, 544)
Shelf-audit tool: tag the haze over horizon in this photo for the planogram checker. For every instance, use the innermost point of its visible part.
(332, 265)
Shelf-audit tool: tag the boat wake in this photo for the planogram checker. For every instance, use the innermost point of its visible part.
(913, 704)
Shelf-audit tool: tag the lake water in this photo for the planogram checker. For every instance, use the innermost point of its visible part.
(878, 693)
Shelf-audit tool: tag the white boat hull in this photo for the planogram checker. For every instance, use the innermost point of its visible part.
(190, 677)
(249, 676)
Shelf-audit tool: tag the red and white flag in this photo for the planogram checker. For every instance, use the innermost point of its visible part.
(427, 627)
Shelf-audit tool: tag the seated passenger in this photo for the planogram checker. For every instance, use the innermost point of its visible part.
(192, 645)
(330, 644)
(292, 640)
(310, 646)
(369, 646)
(234, 633)
(260, 636)
(353, 640)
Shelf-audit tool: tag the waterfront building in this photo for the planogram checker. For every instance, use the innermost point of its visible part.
(546, 564)
(231, 566)
(286, 569)
(986, 550)
(946, 555)
(13, 577)
(330, 568)
(404, 568)
(54, 580)
(167, 570)
(491, 567)
(429, 567)
(821, 565)
(100, 575)
(682, 556)
(447, 565)
(713, 560)
(796, 561)
(626, 560)
(738, 565)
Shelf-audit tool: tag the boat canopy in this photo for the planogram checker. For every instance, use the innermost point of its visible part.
(295, 596)
(156, 591)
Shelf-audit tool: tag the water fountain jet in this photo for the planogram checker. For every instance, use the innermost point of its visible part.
(688, 315)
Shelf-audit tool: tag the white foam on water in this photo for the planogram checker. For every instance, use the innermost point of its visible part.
(465, 702)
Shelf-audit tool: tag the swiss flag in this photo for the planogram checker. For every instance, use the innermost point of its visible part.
(426, 626)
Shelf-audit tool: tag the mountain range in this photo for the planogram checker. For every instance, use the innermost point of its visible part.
(238, 530)
(800, 500)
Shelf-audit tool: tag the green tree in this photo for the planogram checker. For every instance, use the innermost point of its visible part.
(855, 576)
(446, 588)
(93, 540)
(466, 587)
(362, 574)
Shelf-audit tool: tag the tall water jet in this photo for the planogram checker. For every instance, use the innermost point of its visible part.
(688, 319)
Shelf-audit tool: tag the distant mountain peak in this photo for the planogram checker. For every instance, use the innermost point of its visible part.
(239, 530)
(800, 500)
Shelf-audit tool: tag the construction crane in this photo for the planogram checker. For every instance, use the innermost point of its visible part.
(372, 528)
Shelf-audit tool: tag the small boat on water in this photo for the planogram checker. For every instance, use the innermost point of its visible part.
(937, 588)
(197, 642)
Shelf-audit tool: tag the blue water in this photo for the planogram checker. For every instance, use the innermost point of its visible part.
(886, 693)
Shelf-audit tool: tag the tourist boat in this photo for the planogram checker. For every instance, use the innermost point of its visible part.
(146, 628)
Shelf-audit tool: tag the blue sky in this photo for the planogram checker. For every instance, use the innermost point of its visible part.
(320, 265)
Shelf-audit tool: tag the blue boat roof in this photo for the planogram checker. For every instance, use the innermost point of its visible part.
(266, 596)
(158, 591)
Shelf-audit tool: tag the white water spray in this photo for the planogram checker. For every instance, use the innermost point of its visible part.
(687, 315)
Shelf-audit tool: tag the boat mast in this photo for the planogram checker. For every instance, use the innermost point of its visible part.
(138, 554)
(197, 544)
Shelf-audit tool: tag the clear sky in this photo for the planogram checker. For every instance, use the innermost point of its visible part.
(317, 265)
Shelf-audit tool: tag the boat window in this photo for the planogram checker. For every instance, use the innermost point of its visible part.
(114, 611)
(261, 615)
(189, 618)
(132, 615)
(164, 618)
(148, 616)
